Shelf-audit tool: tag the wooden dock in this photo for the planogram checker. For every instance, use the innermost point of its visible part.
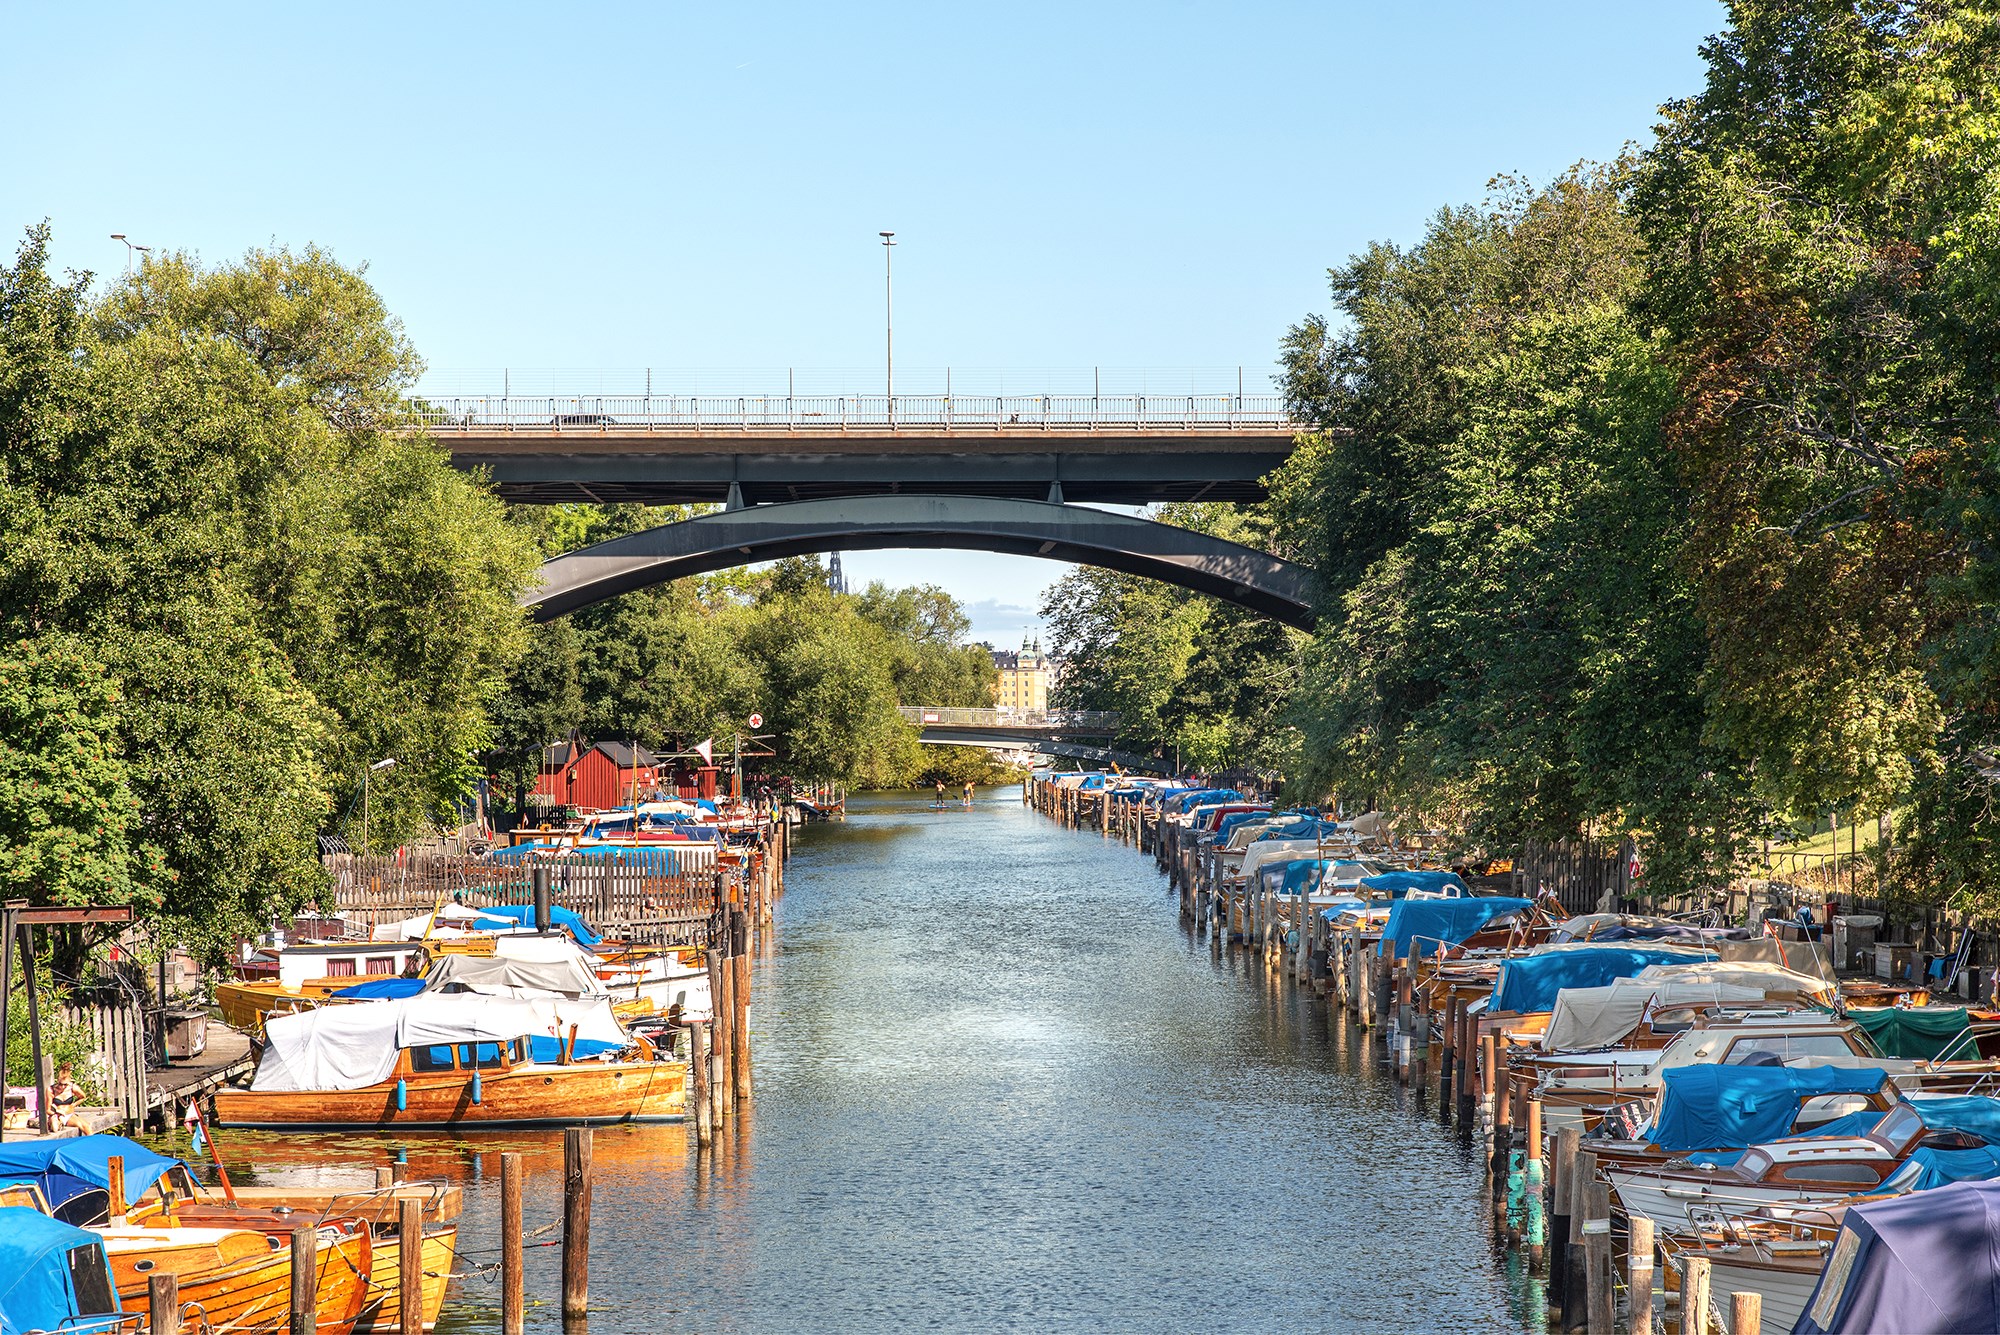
(227, 1055)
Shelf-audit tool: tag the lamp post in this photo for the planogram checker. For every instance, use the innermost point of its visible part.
(889, 317)
(385, 763)
(129, 248)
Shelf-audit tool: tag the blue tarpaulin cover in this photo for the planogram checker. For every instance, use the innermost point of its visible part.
(36, 1291)
(1927, 1169)
(1234, 819)
(1711, 1107)
(381, 989)
(70, 1166)
(1435, 920)
(1399, 883)
(523, 915)
(1913, 1265)
(1531, 982)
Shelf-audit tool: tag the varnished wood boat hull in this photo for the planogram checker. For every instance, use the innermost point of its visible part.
(252, 1296)
(580, 1095)
(383, 1308)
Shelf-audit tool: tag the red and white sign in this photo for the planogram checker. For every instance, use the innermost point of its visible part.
(933, 718)
(756, 720)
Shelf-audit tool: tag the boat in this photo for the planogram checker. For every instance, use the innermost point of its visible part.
(54, 1276)
(1914, 1265)
(453, 1061)
(1715, 1109)
(241, 1278)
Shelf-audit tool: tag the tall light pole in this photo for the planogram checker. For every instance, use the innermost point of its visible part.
(366, 774)
(889, 315)
(129, 248)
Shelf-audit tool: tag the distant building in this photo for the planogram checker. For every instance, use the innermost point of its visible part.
(601, 776)
(1024, 678)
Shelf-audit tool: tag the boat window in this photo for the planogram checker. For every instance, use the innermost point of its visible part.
(435, 1057)
(1901, 1124)
(382, 964)
(90, 1278)
(1788, 1046)
(517, 1051)
(484, 1055)
(1833, 1172)
(340, 968)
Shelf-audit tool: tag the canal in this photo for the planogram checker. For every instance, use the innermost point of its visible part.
(999, 1088)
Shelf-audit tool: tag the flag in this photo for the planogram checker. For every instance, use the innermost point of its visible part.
(706, 750)
(193, 1121)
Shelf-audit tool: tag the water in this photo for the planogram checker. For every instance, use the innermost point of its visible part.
(999, 1088)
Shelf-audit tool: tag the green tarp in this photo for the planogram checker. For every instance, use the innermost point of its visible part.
(1920, 1034)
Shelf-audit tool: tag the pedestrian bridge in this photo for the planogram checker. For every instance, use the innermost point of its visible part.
(730, 538)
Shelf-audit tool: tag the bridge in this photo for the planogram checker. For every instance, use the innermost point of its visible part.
(730, 538)
(1054, 733)
(1125, 449)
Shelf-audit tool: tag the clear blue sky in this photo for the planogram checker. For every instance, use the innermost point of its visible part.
(1157, 187)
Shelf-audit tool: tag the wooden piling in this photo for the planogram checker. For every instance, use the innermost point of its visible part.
(114, 1171)
(1746, 1313)
(513, 1304)
(739, 995)
(1567, 1140)
(1600, 1287)
(385, 1177)
(704, 1100)
(305, 1280)
(163, 1304)
(576, 1223)
(410, 1261)
(723, 1007)
(1694, 1297)
(1639, 1275)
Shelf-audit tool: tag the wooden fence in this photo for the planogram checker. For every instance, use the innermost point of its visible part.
(1586, 876)
(632, 897)
(117, 1027)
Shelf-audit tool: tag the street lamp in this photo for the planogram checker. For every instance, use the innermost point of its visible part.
(889, 315)
(385, 763)
(129, 248)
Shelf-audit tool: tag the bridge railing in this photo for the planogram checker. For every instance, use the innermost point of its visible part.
(1102, 721)
(605, 413)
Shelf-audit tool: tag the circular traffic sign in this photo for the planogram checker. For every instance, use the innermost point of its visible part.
(756, 720)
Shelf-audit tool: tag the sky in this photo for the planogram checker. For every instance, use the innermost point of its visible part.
(575, 194)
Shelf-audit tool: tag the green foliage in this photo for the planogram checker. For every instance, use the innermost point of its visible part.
(69, 824)
(202, 489)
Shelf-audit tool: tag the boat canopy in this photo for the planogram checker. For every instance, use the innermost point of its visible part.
(1920, 1032)
(451, 919)
(1712, 1106)
(1298, 875)
(523, 915)
(352, 1047)
(52, 1274)
(1396, 884)
(1429, 921)
(508, 976)
(1622, 927)
(1912, 1265)
(381, 989)
(1775, 981)
(1586, 1019)
(1530, 983)
(66, 1168)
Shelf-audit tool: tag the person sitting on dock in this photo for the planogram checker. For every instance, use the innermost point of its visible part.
(64, 1096)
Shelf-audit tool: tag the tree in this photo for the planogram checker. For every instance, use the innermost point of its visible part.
(69, 823)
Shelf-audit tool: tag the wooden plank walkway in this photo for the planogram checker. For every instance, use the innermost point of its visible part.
(226, 1056)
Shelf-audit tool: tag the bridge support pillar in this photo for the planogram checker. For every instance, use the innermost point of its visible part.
(1055, 493)
(735, 501)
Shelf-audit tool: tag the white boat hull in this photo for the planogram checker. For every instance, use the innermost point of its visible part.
(1785, 1291)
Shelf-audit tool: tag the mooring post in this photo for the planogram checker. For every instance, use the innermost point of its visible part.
(1599, 1283)
(410, 1259)
(1567, 1140)
(163, 1304)
(719, 1040)
(1694, 1296)
(1534, 1221)
(1576, 1305)
(1639, 1274)
(1746, 1313)
(704, 1099)
(739, 991)
(513, 1303)
(305, 1276)
(576, 1223)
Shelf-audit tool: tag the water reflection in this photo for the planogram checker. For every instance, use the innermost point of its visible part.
(998, 1089)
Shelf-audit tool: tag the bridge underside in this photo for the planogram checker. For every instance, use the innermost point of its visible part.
(720, 541)
(1106, 467)
(1095, 755)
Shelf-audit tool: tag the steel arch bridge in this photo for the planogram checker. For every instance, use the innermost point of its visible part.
(728, 538)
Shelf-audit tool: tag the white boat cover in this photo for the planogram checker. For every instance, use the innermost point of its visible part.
(1797, 956)
(1588, 1018)
(1284, 850)
(415, 929)
(508, 975)
(1773, 980)
(352, 1047)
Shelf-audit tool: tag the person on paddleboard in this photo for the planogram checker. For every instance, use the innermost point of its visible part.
(968, 792)
(940, 796)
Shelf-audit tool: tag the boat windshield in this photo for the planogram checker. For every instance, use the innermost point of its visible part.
(1899, 1127)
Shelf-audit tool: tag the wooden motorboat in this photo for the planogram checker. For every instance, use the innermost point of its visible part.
(1777, 1256)
(457, 1061)
(1810, 1173)
(382, 1309)
(241, 1278)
